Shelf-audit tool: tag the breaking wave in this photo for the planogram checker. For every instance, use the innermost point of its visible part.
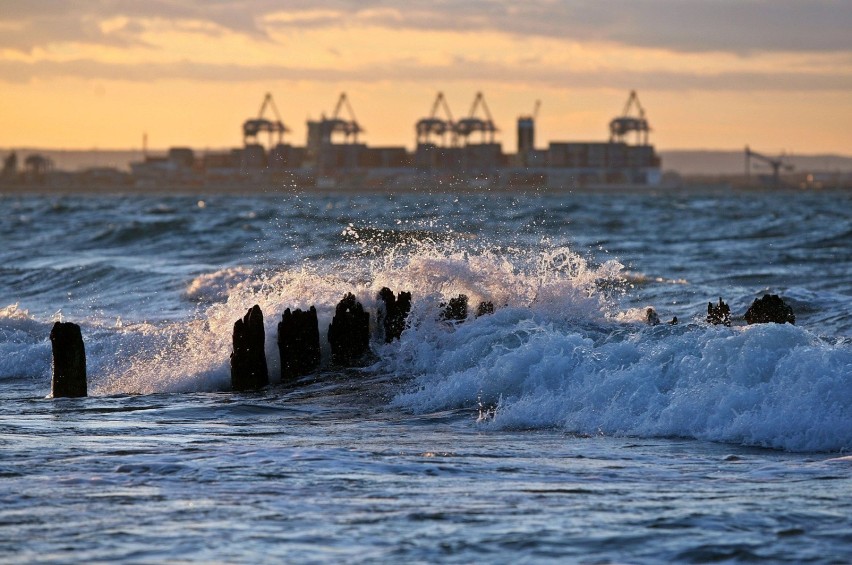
(558, 352)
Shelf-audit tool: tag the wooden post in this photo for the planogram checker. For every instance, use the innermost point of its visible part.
(392, 317)
(69, 361)
(770, 308)
(298, 343)
(718, 314)
(456, 310)
(349, 332)
(248, 361)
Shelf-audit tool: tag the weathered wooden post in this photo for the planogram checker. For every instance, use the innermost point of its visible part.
(69, 361)
(718, 314)
(298, 343)
(349, 332)
(770, 308)
(248, 361)
(392, 318)
(456, 310)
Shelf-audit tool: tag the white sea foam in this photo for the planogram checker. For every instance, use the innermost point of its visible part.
(561, 356)
(557, 353)
(213, 287)
(775, 386)
(23, 343)
(194, 355)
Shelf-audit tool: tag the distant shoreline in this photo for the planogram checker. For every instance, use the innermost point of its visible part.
(687, 162)
(235, 190)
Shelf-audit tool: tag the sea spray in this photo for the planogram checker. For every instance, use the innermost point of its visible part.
(557, 353)
(770, 386)
(23, 344)
(191, 355)
(345, 464)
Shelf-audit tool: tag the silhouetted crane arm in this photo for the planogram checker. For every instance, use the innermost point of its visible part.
(480, 100)
(436, 104)
(274, 108)
(343, 100)
(761, 157)
(473, 107)
(441, 102)
(487, 111)
(338, 106)
(447, 109)
(267, 101)
(631, 100)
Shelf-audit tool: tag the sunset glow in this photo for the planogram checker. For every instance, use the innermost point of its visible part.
(102, 75)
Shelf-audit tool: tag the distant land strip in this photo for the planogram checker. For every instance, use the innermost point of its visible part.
(682, 161)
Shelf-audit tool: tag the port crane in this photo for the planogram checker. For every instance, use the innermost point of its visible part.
(253, 127)
(534, 114)
(626, 123)
(433, 125)
(37, 165)
(531, 118)
(10, 165)
(349, 128)
(777, 164)
(466, 126)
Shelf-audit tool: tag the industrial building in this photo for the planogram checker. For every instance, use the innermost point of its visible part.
(461, 152)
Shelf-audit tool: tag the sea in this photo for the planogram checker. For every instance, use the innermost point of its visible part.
(561, 428)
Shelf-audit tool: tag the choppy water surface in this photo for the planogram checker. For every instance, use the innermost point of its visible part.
(560, 428)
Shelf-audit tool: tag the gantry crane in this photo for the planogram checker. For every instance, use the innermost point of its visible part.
(349, 128)
(777, 164)
(621, 126)
(253, 127)
(536, 108)
(466, 126)
(433, 125)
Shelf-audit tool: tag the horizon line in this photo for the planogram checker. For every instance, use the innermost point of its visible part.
(785, 153)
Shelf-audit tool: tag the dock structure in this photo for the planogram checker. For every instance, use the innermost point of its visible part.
(449, 152)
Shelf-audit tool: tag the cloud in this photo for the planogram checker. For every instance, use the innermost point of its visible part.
(738, 26)
(411, 71)
(41, 23)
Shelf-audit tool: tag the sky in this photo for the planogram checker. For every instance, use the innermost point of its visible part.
(710, 74)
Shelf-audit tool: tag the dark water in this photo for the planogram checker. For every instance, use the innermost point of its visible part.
(611, 441)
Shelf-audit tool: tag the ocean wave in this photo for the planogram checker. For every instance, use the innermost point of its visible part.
(558, 352)
(23, 343)
(214, 287)
(192, 355)
(775, 386)
(135, 231)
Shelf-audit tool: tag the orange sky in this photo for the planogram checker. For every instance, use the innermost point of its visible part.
(710, 75)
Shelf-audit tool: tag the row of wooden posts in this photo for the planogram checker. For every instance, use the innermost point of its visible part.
(298, 341)
(348, 336)
(770, 308)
